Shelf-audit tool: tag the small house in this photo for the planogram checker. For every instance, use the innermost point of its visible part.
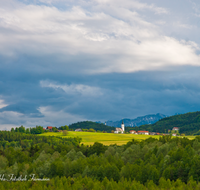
(143, 132)
(50, 128)
(152, 133)
(132, 132)
(118, 130)
(78, 130)
(175, 129)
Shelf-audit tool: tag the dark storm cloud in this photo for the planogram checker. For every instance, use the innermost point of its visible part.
(119, 95)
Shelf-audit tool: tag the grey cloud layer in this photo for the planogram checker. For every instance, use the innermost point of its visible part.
(110, 30)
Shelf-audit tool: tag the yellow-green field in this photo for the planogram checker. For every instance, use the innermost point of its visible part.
(105, 138)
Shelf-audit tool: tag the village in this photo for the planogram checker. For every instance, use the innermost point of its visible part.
(173, 132)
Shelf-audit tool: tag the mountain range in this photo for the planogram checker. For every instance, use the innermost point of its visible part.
(147, 119)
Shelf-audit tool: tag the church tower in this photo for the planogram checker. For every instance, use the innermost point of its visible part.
(122, 126)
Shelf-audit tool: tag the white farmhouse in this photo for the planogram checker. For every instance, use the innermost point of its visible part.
(143, 132)
(175, 129)
(132, 132)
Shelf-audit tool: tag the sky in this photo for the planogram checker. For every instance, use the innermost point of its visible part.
(64, 61)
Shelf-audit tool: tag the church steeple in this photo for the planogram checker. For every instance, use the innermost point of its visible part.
(122, 125)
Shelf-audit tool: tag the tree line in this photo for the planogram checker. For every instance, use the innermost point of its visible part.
(37, 129)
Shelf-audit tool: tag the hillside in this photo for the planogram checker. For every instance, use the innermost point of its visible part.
(188, 124)
(93, 125)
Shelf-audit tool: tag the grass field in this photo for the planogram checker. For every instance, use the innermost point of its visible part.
(105, 138)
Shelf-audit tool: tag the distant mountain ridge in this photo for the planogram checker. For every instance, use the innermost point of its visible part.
(143, 120)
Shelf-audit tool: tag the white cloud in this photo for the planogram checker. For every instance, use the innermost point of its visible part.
(133, 4)
(2, 104)
(185, 26)
(7, 127)
(11, 119)
(72, 89)
(128, 4)
(52, 117)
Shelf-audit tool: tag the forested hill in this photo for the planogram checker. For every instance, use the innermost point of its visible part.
(93, 125)
(188, 124)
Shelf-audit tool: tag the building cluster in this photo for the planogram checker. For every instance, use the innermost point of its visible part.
(174, 132)
(50, 129)
(122, 130)
(139, 132)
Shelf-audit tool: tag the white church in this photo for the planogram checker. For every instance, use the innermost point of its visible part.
(120, 130)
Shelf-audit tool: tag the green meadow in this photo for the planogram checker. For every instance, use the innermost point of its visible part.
(105, 138)
(89, 138)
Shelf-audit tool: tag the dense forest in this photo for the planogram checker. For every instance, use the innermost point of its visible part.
(167, 163)
(188, 124)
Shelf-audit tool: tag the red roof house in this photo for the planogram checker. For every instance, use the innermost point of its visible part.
(49, 128)
(175, 128)
(132, 132)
